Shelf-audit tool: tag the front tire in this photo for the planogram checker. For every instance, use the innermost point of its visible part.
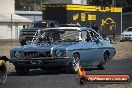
(3, 74)
(74, 64)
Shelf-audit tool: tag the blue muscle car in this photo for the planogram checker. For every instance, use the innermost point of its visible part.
(62, 47)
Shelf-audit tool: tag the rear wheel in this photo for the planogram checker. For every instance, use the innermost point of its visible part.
(74, 65)
(106, 58)
(104, 62)
(3, 74)
(101, 66)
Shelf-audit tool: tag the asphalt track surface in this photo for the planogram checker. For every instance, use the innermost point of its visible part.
(60, 79)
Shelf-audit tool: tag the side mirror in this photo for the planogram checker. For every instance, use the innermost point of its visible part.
(107, 39)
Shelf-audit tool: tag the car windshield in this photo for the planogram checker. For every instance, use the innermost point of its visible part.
(55, 35)
(129, 30)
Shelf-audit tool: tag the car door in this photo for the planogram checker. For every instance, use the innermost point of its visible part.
(88, 48)
(99, 45)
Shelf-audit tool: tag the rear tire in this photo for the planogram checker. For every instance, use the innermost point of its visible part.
(101, 66)
(104, 62)
(106, 58)
(3, 74)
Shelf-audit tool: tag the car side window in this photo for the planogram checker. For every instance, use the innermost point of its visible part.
(86, 36)
(94, 36)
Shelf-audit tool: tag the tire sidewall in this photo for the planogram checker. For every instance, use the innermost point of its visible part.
(72, 67)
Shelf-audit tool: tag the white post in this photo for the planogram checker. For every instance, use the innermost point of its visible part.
(113, 2)
(121, 24)
(11, 29)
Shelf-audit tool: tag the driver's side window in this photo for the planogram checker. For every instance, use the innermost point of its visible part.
(94, 36)
(86, 36)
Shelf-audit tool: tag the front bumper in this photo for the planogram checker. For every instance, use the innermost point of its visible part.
(126, 38)
(41, 63)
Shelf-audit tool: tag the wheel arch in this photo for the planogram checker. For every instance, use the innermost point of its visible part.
(107, 52)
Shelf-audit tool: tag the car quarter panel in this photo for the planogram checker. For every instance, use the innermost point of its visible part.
(86, 50)
(104, 46)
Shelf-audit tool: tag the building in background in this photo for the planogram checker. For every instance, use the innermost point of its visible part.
(32, 15)
(83, 2)
(10, 23)
(127, 17)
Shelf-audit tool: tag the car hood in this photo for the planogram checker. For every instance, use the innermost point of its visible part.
(127, 33)
(44, 47)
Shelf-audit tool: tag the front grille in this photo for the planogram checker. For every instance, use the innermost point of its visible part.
(45, 54)
(34, 54)
(29, 33)
(31, 54)
(28, 38)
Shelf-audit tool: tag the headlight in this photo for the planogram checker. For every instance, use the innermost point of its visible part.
(59, 53)
(17, 54)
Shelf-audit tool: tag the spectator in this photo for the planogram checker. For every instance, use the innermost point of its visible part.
(24, 26)
(95, 27)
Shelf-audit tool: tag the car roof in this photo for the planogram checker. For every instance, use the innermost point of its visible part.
(76, 28)
(129, 27)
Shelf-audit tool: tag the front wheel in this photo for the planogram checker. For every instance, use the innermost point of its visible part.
(75, 64)
(3, 74)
